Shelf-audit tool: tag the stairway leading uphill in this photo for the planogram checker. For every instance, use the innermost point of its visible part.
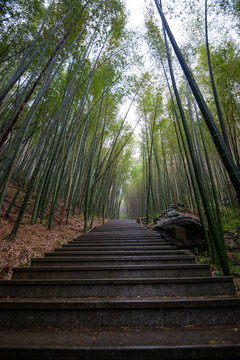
(118, 292)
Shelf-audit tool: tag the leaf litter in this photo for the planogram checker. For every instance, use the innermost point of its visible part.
(32, 241)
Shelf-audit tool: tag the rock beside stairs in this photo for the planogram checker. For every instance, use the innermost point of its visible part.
(185, 232)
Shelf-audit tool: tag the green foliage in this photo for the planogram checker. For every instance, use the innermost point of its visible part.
(201, 257)
(231, 221)
(64, 76)
(62, 65)
(231, 6)
(178, 160)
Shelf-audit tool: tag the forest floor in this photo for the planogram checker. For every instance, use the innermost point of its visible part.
(32, 241)
(233, 258)
(232, 241)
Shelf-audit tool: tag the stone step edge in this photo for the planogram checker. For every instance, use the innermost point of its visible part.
(110, 236)
(138, 252)
(121, 243)
(71, 282)
(120, 239)
(139, 258)
(118, 246)
(115, 248)
(205, 352)
(113, 303)
(119, 267)
(194, 349)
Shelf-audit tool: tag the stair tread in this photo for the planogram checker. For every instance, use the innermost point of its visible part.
(110, 338)
(138, 257)
(116, 252)
(119, 247)
(121, 302)
(139, 247)
(117, 267)
(118, 280)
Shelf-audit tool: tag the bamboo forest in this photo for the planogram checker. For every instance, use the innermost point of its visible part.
(104, 119)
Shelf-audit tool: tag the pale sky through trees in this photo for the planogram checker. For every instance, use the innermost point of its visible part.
(137, 9)
(223, 28)
(136, 19)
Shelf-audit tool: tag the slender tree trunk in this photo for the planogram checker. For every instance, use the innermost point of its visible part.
(215, 133)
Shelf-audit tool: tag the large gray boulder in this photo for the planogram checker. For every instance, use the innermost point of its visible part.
(182, 231)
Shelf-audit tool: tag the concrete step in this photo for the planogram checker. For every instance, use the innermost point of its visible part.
(105, 245)
(106, 254)
(112, 260)
(120, 243)
(108, 229)
(108, 343)
(76, 247)
(128, 233)
(101, 272)
(123, 234)
(119, 239)
(136, 313)
(189, 286)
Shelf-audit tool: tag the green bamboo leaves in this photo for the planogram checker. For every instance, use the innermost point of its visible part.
(59, 106)
(183, 167)
(221, 146)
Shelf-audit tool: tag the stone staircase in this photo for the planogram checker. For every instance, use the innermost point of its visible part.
(119, 292)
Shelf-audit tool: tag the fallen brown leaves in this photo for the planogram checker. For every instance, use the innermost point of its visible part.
(32, 241)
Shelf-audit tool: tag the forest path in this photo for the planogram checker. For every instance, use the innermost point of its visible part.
(118, 292)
